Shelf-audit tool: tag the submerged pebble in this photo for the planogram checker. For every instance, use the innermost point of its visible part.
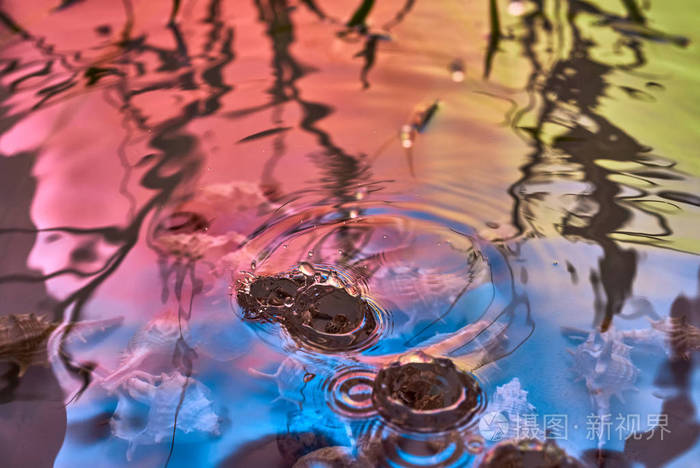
(427, 395)
(317, 310)
(528, 453)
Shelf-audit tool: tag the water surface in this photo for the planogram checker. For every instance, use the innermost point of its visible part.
(508, 185)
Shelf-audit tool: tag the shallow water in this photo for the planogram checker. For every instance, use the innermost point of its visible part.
(241, 218)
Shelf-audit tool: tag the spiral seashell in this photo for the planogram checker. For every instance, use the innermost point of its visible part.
(161, 398)
(23, 339)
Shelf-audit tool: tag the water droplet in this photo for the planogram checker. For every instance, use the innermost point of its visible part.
(253, 265)
(385, 236)
(353, 214)
(284, 246)
(457, 70)
(308, 377)
(307, 269)
(407, 136)
(516, 8)
(475, 444)
(340, 251)
(311, 253)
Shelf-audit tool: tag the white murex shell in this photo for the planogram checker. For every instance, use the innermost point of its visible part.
(161, 398)
(603, 362)
(511, 401)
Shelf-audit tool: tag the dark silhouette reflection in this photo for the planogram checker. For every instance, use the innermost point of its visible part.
(169, 172)
(31, 406)
(655, 448)
(345, 177)
(277, 451)
(342, 171)
(570, 93)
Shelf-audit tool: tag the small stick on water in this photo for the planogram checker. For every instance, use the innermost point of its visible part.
(423, 118)
(360, 15)
(419, 123)
(494, 37)
(311, 5)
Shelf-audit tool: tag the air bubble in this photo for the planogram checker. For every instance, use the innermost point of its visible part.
(407, 135)
(457, 70)
(475, 444)
(517, 8)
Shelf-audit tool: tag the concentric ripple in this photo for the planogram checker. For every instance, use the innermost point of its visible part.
(378, 279)
(350, 392)
(384, 446)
